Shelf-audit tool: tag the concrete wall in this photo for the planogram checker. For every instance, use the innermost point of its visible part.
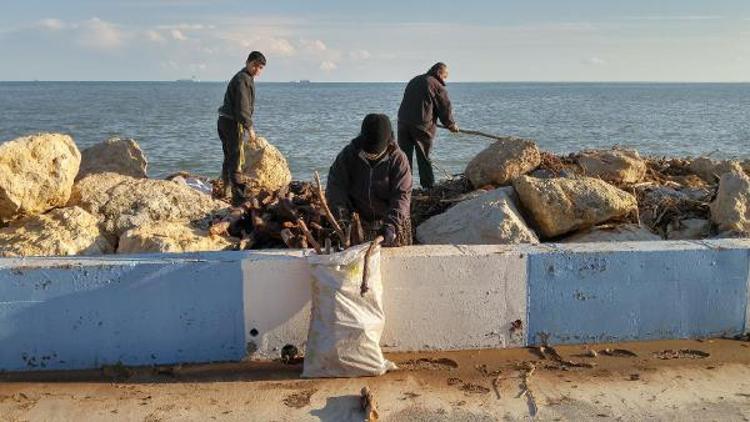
(69, 313)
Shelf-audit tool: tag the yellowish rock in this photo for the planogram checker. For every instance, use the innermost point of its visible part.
(124, 202)
(619, 166)
(121, 156)
(265, 167)
(62, 231)
(565, 204)
(36, 174)
(503, 161)
(171, 237)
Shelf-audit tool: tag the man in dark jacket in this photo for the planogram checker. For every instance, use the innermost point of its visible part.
(371, 176)
(425, 101)
(236, 123)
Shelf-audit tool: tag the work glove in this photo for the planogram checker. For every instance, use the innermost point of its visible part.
(251, 134)
(454, 128)
(389, 235)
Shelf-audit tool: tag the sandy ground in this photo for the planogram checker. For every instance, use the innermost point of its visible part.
(460, 386)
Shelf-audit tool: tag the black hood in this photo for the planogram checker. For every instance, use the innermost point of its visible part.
(376, 134)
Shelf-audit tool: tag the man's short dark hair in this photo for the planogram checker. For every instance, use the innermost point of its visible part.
(437, 67)
(257, 56)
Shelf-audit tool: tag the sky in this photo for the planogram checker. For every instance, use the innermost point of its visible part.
(387, 40)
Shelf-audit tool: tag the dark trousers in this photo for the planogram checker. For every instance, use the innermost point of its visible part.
(230, 134)
(411, 140)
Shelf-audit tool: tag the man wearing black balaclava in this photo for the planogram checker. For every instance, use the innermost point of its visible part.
(425, 101)
(371, 176)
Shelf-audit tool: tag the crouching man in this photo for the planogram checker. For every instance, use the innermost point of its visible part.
(371, 176)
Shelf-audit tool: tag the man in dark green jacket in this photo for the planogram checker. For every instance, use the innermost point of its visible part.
(236, 123)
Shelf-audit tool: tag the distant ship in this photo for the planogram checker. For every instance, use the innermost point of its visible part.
(193, 79)
(302, 81)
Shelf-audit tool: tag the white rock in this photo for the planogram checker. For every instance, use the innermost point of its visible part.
(491, 218)
(710, 169)
(730, 211)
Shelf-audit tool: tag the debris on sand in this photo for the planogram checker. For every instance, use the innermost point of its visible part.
(681, 354)
(299, 399)
(369, 407)
(619, 353)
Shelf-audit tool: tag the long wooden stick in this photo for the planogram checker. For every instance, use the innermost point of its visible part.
(478, 133)
(364, 288)
(314, 243)
(328, 213)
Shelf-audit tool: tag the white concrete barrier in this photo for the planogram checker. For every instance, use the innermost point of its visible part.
(72, 313)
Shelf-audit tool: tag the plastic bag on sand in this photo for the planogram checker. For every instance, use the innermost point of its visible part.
(345, 326)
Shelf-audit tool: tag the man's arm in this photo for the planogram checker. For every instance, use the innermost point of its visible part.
(444, 107)
(337, 187)
(245, 102)
(400, 195)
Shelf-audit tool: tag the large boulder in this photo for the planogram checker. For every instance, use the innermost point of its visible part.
(503, 161)
(613, 233)
(124, 202)
(490, 218)
(62, 231)
(36, 174)
(731, 208)
(265, 168)
(619, 166)
(564, 204)
(171, 237)
(121, 156)
(711, 170)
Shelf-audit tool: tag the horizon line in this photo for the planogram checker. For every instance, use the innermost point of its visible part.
(379, 82)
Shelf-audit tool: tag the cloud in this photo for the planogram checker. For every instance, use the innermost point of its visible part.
(359, 55)
(674, 18)
(155, 36)
(328, 66)
(52, 24)
(99, 34)
(178, 35)
(313, 46)
(595, 61)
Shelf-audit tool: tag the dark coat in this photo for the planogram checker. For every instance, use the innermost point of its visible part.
(239, 99)
(425, 101)
(379, 190)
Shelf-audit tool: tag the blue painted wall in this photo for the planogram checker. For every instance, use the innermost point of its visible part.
(636, 295)
(137, 313)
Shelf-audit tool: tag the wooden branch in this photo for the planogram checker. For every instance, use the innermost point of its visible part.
(478, 133)
(367, 401)
(329, 214)
(364, 288)
(314, 243)
(357, 231)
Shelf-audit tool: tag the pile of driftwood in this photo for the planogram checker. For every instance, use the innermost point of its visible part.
(297, 217)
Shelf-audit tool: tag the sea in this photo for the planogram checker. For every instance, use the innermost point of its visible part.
(175, 122)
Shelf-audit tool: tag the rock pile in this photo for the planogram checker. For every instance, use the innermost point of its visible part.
(55, 200)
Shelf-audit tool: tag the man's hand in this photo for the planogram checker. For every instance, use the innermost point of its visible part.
(454, 128)
(251, 134)
(389, 236)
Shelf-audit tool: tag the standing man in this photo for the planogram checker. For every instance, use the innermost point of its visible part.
(425, 101)
(236, 124)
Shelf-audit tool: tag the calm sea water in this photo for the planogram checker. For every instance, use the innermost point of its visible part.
(175, 123)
